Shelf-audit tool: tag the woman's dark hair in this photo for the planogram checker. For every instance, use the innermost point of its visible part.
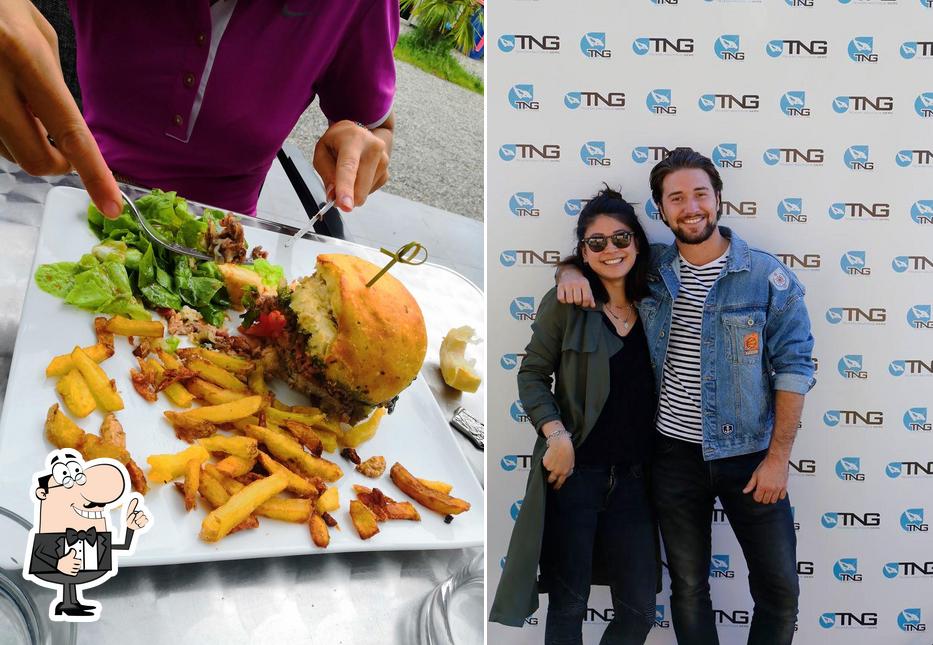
(679, 159)
(610, 203)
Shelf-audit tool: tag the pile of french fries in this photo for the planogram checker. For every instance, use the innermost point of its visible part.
(250, 455)
(84, 387)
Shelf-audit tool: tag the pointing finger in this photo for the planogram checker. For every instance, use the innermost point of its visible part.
(348, 163)
(44, 89)
(131, 508)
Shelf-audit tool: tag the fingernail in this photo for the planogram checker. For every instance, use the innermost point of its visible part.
(346, 202)
(112, 209)
(328, 190)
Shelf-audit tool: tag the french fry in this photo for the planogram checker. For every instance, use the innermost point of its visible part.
(402, 511)
(93, 447)
(221, 520)
(363, 519)
(165, 468)
(169, 360)
(427, 497)
(319, 533)
(76, 394)
(226, 412)
(362, 432)
(212, 490)
(385, 508)
(296, 483)
(278, 405)
(215, 495)
(306, 437)
(189, 429)
(234, 466)
(290, 451)
(440, 487)
(104, 337)
(228, 362)
(244, 447)
(111, 431)
(211, 393)
(328, 502)
(126, 327)
(296, 510)
(61, 431)
(137, 478)
(257, 380)
(61, 365)
(101, 387)
(279, 417)
(216, 375)
(192, 482)
(176, 392)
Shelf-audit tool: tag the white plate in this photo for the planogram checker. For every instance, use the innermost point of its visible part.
(415, 435)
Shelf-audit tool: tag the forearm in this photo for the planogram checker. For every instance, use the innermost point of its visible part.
(788, 407)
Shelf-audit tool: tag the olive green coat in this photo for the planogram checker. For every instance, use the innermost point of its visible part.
(575, 344)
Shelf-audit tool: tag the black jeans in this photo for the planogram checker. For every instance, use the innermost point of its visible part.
(684, 488)
(602, 512)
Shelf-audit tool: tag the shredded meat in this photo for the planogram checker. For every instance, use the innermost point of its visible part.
(227, 244)
(258, 252)
(143, 385)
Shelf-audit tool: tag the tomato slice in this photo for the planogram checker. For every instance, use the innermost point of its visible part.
(269, 325)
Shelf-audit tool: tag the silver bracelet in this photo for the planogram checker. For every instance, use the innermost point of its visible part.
(553, 434)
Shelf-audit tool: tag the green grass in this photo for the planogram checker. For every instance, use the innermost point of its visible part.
(435, 60)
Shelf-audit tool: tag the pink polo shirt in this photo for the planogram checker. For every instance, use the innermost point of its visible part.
(198, 97)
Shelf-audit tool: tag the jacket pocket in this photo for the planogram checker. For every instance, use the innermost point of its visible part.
(744, 331)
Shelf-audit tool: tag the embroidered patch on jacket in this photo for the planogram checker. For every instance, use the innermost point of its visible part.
(751, 343)
(779, 279)
(727, 428)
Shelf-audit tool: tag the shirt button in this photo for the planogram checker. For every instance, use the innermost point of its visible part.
(750, 322)
(662, 334)
(189, 79)
(178, 120)
(201, 39)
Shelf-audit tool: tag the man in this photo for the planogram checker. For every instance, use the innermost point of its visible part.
(71, 545)
(730, 342)
(198, 97)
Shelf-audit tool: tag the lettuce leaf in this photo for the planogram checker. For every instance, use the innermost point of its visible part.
(272, 275)
(57, 279)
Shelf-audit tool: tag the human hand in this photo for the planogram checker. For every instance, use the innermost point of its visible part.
(573, 287)
(135, 520)
(37, 104)
(352, 162)
(70, 563)
(559, 460)
(769, 481)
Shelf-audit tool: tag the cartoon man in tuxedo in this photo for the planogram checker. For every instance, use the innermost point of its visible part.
(71, 545)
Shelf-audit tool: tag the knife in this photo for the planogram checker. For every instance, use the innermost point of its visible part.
(314, 220)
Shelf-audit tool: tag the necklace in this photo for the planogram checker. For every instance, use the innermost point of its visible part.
(625, 322)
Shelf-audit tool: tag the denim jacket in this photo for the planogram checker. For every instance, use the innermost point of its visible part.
(755, 339)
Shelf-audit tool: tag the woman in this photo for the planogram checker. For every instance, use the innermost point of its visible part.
(586, 500)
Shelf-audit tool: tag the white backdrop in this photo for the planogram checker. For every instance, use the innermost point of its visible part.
(820, 115)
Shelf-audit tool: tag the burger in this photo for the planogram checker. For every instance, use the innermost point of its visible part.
(350, 348)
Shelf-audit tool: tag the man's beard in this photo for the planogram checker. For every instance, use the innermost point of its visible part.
(698, 238)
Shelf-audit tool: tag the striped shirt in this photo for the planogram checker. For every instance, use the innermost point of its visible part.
(679, 413)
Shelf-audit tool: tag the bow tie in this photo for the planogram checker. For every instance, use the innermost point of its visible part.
(89, 536)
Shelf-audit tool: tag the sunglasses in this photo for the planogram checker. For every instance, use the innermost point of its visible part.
(598, 243)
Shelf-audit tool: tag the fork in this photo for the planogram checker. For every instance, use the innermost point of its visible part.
(155, 239)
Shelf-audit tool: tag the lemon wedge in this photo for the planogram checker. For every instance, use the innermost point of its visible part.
(458, 371)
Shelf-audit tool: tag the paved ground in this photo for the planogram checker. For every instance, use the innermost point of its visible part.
(438, 154)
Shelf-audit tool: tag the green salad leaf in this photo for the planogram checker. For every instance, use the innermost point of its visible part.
(125, 273)
(57, 279)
